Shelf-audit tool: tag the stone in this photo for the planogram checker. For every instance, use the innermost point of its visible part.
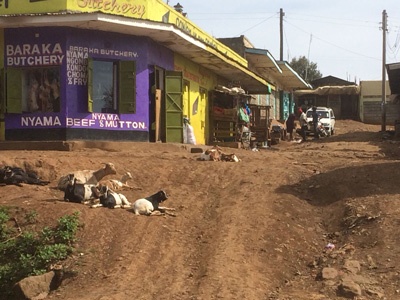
(196, 150)
(349, 289)
(329, 273)
(34, 287)
(352, 266)
(371, 262)
(374, 293)
(357, 278)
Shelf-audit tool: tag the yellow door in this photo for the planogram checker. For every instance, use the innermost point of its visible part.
(202, 114)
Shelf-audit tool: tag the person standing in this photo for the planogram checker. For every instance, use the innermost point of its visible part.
(290, 125)
(315, 119)
(303, 124)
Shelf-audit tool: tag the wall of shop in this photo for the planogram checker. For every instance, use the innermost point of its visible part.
(63, 63)
(370, 105)
(2, 89)
(63, 54)
(198, 81)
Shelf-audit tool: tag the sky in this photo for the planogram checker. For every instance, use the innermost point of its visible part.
(343, 37)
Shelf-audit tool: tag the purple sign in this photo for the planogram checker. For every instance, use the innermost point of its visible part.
(94, 120)
(53, 67)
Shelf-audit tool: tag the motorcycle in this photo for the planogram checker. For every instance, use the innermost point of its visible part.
(320, 129)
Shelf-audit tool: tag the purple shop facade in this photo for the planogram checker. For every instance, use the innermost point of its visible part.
(54, 102)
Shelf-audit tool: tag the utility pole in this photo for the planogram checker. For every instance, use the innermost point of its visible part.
(384, 29)
(281, 14)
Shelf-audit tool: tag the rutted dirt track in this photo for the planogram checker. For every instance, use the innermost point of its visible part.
(250, 230)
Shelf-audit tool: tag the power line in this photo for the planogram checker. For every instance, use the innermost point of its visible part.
(230, 13)
(227, 18)
(332, 44)
(396, 45)
(258, 24)
(306, 16)
(337, 23)
(324, 18)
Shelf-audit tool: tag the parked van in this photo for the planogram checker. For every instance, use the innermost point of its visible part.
(326, 117)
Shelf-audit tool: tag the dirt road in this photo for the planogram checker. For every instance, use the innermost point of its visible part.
(257, 229)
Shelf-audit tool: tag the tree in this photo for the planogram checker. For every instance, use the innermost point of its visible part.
(307, 70)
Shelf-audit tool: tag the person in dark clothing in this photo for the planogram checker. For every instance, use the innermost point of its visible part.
(290, 125)
(315, 118)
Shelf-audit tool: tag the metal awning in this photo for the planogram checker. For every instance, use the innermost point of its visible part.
(393, 71)
(331, 90)
(263, 63)
(163, 33)
(290, 78)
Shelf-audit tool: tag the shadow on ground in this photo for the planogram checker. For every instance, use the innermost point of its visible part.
(348, 182)
(387, 142)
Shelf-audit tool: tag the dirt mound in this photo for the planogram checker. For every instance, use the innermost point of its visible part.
(262, 228)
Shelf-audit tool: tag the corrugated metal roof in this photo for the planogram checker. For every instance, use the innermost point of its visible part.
(264, 64)
(165, 34)
(393, 71)
(331, 90)
(290, 77)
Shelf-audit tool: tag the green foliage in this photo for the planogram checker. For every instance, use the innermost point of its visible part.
(31, 217)
(3, 215)
(67, 228)
(3, 223)
(31, 253)
(307, 70)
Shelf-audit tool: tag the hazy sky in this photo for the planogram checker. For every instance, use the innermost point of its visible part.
(344, 38)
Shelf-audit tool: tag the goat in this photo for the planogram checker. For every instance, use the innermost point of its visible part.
(115, 184)
(80, 192)
(216, 154)
(229, 157)
(150, 205)
(17, 176)
(88, 176)
(111, 199)
(213, 154)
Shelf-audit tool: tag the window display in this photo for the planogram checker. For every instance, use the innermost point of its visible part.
(40, 90)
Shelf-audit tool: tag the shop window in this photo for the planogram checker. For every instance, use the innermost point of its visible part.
(33, 90)
(104, 84)
(112, 87)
